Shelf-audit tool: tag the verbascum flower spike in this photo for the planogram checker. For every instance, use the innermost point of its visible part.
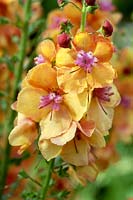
(85, 65)
(70, 95)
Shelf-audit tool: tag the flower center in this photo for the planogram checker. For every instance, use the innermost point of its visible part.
(39, 59)
(86, 60)
(103, 93)
(52, 98)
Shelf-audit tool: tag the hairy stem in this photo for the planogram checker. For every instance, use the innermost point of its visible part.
(12, 114)
(83, 17)
(47, 180)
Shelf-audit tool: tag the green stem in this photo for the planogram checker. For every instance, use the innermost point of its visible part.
(12, 114)
(47, 180)
(83, 17)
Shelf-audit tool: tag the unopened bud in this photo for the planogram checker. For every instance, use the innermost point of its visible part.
(64, 40)
(66, 26)
(107, 28)
(62, 3)
(90, 2)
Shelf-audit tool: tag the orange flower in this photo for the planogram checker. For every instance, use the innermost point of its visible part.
(106, 156)
(75, 150)
(24, 133)
(46, 51)
(42, 101)
(83, 174)
(101, 108)
(85, 65)
(122, 126)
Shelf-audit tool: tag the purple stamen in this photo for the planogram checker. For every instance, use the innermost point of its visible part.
(86, 60)
(103, 93)
(106, 5)
(52, 98)
(39, 59)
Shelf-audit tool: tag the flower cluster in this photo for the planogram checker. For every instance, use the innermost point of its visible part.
(70, 94)
(67, 99)
(122, 126)
(73, 13)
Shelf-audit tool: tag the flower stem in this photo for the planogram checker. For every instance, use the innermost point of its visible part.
(47, 180)
(83, 17)
(12, 114)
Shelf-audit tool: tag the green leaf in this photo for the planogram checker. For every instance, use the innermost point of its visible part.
(124, 35)
(4, 20)
(23, 174)
(3, 93)
(36, 25)
(21, 2)
(28, 195)
(3, 104)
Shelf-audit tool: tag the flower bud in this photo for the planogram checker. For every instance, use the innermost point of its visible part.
(107, 29)
(62, 3)
(66, 26)
(90, 2)
(64, 40)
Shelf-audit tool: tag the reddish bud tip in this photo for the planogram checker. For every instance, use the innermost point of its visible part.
(64, 40)
(107, 29)
(62, 3)
(90, 2)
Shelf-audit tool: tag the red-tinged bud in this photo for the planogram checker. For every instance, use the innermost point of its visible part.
(90, 2)
(62, 3)
(107, 29)
(64, 40)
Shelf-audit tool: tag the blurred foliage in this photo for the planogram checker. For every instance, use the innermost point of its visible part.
(125, 7)
(49, 5)
(123, 37)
